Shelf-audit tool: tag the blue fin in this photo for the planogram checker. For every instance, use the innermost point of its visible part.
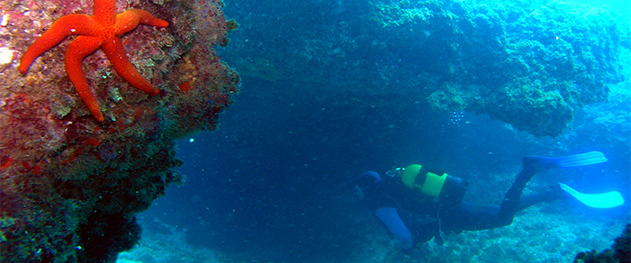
(587, 158)
(604, 200)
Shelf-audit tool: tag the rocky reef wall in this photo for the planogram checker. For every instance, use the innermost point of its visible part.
(531, 64)
(70, 185)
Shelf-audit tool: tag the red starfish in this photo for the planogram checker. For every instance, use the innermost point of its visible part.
(103, 29)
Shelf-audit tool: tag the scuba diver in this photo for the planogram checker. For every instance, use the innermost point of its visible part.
(416, 203)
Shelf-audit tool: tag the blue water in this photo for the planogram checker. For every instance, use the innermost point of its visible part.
(273, 183)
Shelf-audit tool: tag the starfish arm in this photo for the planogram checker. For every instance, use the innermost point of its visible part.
(60, 29)
(76, 52)
(116, 54)
(105, 12)
(129, 19)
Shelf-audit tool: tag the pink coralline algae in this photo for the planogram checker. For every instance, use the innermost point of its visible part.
(71, 185)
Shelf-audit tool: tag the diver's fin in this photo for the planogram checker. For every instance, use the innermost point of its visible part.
(604, 200)
(587, 158)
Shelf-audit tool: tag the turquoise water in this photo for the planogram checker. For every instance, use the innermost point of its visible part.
(326, 97)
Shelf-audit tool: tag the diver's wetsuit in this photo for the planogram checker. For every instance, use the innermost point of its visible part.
(412, 217)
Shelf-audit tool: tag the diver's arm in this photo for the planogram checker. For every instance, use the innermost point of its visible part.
(391, 219)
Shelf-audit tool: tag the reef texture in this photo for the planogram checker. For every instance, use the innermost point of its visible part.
(528, 64)
(620, 251)
(70, 186)
(531, 64)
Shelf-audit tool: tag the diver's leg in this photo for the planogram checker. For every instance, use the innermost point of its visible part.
(554, 193)
(514, 202)
(511, 202)
(469, 216)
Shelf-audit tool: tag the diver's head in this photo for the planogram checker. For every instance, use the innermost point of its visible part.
(366, 184)
(448, 188)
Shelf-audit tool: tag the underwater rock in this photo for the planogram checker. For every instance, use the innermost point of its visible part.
(70, 186)
(620, 251)
(532, 64)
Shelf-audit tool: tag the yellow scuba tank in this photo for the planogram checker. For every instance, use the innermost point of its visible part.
(428, 183)
(448, 188)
